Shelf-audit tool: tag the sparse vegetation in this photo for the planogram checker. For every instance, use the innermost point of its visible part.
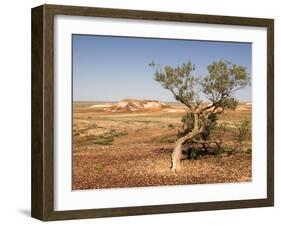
(249, 151)
(171, 126)
(243, 130)
(194, 153)
(218, 87)
(165, 139)
(137, 153)
(108, 138)
(139, 125)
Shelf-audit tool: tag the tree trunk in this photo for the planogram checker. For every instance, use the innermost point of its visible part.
(177, 155)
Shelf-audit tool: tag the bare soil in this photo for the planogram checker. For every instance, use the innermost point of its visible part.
(114, 150)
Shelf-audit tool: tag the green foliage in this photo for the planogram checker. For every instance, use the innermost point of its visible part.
(171, 126)
(221, 130)
(223, 79)
(229, 103)
(178, 80)
(209, 126)
(194, 153)
(108, 138)
(249, 151)
(218, 151)
(188, 124)
(222, 127)
(218, 86)
(165, 139)
(243, 130)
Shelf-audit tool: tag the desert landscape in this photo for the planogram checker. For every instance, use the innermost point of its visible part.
(129, 144)
(159, 112)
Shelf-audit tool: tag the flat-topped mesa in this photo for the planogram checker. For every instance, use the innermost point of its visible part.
(131, 105)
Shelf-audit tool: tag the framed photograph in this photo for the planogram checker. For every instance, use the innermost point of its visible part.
(142, 112)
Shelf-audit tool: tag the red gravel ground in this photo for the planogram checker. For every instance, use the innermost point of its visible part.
(133, 149)
(142, 165)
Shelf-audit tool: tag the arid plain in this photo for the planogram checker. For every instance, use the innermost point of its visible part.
(129, 144)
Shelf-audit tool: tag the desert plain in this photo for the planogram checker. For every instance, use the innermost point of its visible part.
(129, 144)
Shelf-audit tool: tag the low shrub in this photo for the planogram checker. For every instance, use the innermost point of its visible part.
(108, 138)
(243, 130)
(171, 126)
(165, 139)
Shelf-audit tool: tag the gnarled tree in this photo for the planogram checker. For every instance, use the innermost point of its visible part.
(216, 88)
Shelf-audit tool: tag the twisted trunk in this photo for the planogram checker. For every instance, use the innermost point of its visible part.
(177, 155)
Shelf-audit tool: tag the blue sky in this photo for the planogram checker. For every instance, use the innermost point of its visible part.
(114, 68)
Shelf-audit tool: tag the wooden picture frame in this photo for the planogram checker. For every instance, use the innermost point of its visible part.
(42, 203)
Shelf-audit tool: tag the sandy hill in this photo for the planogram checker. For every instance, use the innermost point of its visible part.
(132, 105)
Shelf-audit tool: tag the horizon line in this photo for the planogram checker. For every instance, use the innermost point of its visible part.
(248, 101)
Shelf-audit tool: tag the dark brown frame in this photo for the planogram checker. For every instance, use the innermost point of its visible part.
(42, 203)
